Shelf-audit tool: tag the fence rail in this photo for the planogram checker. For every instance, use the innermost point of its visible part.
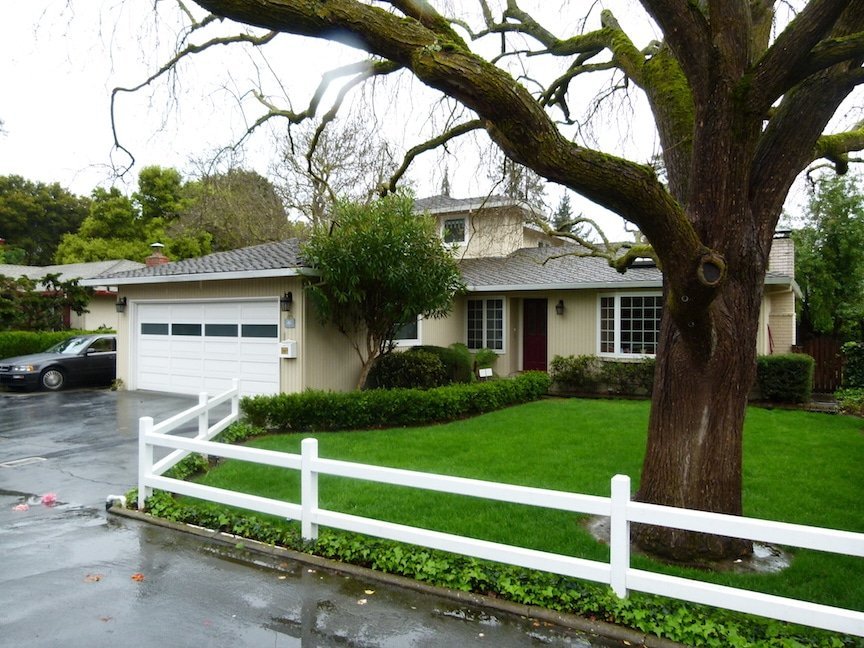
(619, 508)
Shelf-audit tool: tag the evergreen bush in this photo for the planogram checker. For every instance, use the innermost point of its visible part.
(853, 365)
(419, 370)
(785, 378)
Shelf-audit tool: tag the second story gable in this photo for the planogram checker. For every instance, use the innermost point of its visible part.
(490, 226)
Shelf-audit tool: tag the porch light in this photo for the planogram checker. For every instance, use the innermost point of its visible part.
(285, 302)
(120, 305)
(559, 307)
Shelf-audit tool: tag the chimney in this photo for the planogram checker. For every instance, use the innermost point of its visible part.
(157, 258)
(782, 257)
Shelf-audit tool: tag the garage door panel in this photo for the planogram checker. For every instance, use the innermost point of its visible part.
(211, 358)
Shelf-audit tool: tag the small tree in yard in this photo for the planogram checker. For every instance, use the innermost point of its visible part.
(381, 265)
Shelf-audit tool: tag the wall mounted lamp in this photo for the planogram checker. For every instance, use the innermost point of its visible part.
(285, 302)
(559, 307)
(120, 305)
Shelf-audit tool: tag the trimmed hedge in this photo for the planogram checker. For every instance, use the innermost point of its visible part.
(376, 408)
(593, 375)
(853, 365)
(18, 343)
(785, 378)
(418, 370)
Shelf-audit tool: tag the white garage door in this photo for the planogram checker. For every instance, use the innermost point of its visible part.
(190, 347)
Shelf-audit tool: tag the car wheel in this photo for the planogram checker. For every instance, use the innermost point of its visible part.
(53, 379)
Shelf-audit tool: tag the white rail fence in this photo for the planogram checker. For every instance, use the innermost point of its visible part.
(623, 512)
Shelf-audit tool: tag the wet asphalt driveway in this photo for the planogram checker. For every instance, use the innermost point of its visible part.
(71, 575)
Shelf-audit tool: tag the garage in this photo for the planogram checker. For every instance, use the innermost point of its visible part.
(187, 347)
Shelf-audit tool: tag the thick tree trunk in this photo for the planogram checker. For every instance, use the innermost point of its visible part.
(694, 452)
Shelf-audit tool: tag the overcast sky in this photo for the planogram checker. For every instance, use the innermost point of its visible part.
(59, 61)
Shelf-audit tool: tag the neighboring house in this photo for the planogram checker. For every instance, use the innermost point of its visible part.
(101, 311)
(195, 324)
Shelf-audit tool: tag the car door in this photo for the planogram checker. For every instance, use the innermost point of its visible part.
(100, 363)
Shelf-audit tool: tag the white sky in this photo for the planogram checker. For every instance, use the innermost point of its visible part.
(59, 61)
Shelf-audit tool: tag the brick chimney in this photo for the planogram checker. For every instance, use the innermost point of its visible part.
(782, 257)
(157, 258)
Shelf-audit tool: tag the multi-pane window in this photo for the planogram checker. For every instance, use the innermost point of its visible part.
(486, 324)
(454, 230)
(630, 324)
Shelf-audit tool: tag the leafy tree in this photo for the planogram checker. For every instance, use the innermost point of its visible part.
(119, 227)
(29, 305)
(238, 208)
(160, 194)
(829, 260)
(380, 267)
(742, 93)
(34, 216)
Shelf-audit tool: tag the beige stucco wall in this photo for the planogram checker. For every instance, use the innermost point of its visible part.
(101, 313)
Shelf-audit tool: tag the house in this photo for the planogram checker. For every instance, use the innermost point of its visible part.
(101, 311)
(195, 324)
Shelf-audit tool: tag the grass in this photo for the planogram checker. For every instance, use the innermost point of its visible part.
(798, 467)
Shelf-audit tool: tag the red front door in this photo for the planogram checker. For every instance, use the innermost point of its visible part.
(534, 314)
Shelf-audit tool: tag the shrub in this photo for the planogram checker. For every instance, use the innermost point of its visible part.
(18, 343)
(321, 411)
(419, 370)
(485, 358)
(785, 378)
(456, 359)
(850, 401)
(853, 365)
(581, 373)
(590, 374)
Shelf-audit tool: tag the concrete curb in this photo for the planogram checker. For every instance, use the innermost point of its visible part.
(599, 628)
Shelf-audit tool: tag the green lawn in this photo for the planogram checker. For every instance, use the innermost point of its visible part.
(798, 467)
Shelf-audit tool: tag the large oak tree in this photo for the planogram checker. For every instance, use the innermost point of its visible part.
(742, 93)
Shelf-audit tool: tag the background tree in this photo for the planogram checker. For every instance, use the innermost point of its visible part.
(741, 92)
(34, 216)
(28, 305)
(238, 208)
(349, 160)
(381, 265)
(829, 260)
(120, 227)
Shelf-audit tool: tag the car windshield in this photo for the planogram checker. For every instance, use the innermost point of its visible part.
(72, 346)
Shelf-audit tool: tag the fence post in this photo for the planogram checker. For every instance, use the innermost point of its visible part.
(145, 459)
(619, 535)
(235, 399)
(203, 417)
(308, 488)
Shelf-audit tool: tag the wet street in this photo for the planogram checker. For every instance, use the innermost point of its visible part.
(72, 575)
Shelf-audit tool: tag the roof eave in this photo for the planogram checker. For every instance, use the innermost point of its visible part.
(201, 276)
(588, 285)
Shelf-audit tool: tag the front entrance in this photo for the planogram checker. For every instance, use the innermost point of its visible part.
(534, 320)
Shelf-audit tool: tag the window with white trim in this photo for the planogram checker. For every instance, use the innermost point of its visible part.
(630, 324)
(409, 334)
(453, 230)
(486, 324)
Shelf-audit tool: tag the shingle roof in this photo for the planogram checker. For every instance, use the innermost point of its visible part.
(446, 204)
(70, 270)
(282, 255)
(558, 267)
